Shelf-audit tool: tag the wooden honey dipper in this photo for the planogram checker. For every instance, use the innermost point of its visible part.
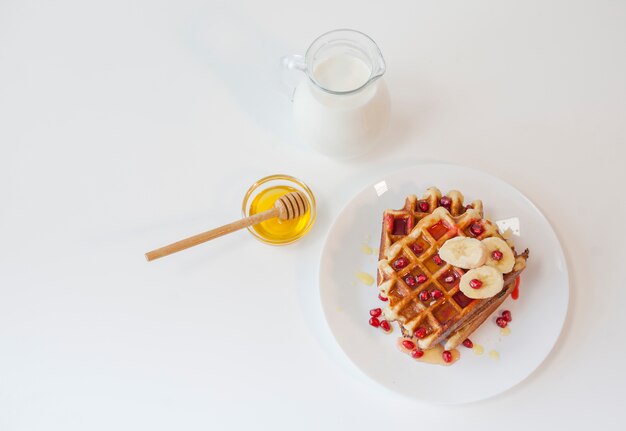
(288, 207)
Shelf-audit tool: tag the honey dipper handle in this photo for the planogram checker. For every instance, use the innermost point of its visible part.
(211, 234)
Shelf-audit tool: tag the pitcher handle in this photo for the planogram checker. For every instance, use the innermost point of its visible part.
(290, 65)
(295, 61)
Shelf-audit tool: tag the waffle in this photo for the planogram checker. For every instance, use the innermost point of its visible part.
(453, 315)
(398, 223)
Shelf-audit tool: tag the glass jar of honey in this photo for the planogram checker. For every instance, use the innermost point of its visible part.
(262, 195)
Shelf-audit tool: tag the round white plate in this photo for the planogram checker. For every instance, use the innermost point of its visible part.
(538, 314)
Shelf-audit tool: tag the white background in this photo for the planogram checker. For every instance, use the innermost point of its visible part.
(125, 125)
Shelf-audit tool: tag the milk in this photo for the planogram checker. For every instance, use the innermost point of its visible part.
(342, 73)
(341, 125)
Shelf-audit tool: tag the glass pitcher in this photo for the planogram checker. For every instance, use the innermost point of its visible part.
(342, 107)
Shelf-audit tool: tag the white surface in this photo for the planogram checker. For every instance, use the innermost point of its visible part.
(125, 125)
(538, 315)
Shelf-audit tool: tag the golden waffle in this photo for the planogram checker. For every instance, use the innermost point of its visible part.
(398, 223)
(411, 270)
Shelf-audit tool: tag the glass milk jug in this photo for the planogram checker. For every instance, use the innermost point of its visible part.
(342, 107)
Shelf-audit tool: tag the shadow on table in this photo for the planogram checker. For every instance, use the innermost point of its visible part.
(247, 60)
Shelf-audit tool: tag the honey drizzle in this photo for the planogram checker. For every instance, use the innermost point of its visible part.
(432, 356)
(478, 349)
(365, 278)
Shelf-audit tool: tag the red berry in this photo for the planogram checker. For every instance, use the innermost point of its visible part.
(374, 322)
(421, 278)
(417, 353)
(382, 298)
(420, 332)
(408, 344)
(496, 255)
(476, 229)
(501, 322)
(436, 294)
(438, 260)
(417, 249)
(449, 279)
(424, 207)
(468, 343)
(447, 356)
(506, 314)
(401, 262)
(475, 283)
(375, 312)
(445, 202)
(385, 325)
(410, 280)
(424, 296)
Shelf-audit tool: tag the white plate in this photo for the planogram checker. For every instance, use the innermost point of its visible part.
(538, 314)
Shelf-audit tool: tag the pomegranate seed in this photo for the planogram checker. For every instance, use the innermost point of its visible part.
(436, 294)
(417, 353)
(468, 343)
(385, 325)
(496, 255)
(501, 322)
(375, 322)
(447, 356)
(506, 314)
(424, 296)
(475, 283)
(417, 249)
(445, 202)
(375, 312)
(421, 278)
(476, 229)
(438, 260)
(408, 344)
(424, 207)
(410, 280)
(382, 298)
(420, 332)
(401, 262)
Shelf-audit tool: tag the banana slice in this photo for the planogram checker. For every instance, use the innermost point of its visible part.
(483, 282)
(463, 252)
(499, 254)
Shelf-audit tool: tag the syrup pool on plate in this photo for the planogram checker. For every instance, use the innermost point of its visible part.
(276, 229)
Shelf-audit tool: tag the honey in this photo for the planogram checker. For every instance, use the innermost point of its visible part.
(274, 229)
(494, 354)
(365, 278)
(433, 355)
(366, 249)
(478, 349)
